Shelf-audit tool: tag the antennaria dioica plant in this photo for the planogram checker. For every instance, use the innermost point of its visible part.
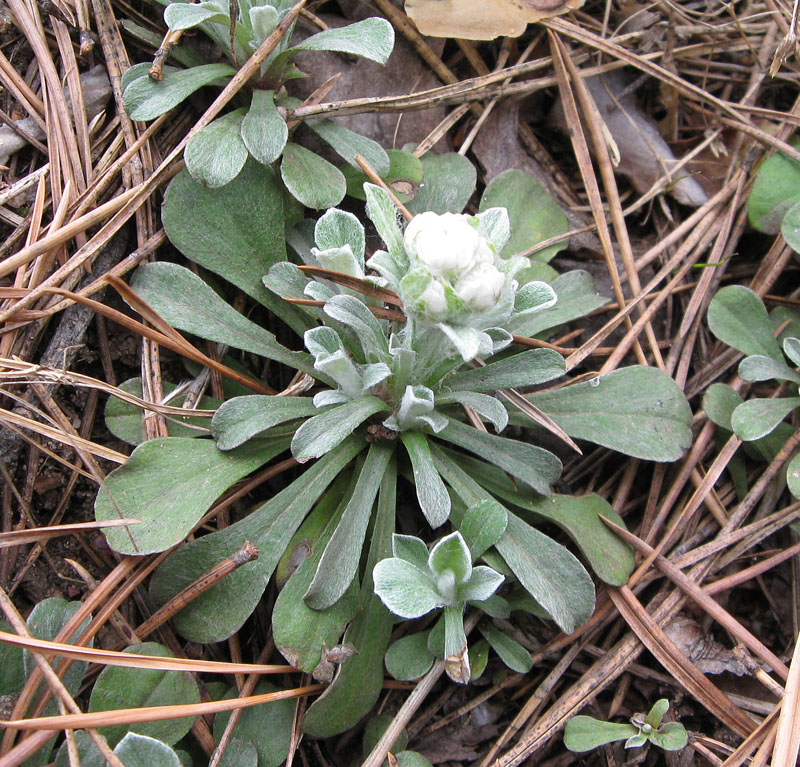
(406, 352)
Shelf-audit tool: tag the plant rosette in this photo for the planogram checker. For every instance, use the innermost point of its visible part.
(414, 582)
(584, 733)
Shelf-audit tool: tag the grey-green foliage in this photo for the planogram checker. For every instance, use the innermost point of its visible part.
(584, 733)
(738, 317)
(774, 202)
(218, 153)
(387, 398)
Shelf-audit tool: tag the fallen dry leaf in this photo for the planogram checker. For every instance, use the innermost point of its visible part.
(483, 19)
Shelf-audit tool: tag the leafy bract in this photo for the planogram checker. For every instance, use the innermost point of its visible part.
(639, 411)
(168, 484)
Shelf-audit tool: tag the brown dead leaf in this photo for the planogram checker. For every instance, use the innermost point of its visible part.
(483, 19)
(703, 650)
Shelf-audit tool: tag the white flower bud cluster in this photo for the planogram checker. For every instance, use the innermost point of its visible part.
(457, 257)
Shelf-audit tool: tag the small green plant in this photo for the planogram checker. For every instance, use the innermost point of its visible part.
(584, 733)
(414, 582)
(218, 153)
(404, 352)
(774, 202)
(737, 316)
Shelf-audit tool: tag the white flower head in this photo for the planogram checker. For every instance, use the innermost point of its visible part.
(445, 244)
(434, 300)
(480, 288)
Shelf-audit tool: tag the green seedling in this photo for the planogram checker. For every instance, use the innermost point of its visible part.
(585, 733)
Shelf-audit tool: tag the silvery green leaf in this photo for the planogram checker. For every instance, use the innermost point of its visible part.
(371, 39)
(241, 418)
(487, 407)
(530, 464)
(481, 585)
(383, 214)
(347, 144)
(402, 363)
(341, 369)
(322, 341)
(636, 741)
(455, 644)
(759, 367)
(584, 733)
(482, 525)
(409, 657)
(512, 653)
(264, 131)
(319, 292)
(451, 553)
(672, 736)
(432, 495)
(385, 265)
(325, 431)
(329, 397)
(405, 589)
(500, 339)
(179, 16)
(411, 549)
(339, 562)
(146, 99)
(495, 226)
(216, 155)
(469, 342)
(656, 713)
(758, 417)
(311, 179)
(339, 260)
(286, 280)
(534, 297)
(495, 606)
(338, 228)
(373, 374)
(354, 313)
(528, 368)
(188, 303)
(263, 20)
(736, 315)
(791, 348)
(417, 408)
